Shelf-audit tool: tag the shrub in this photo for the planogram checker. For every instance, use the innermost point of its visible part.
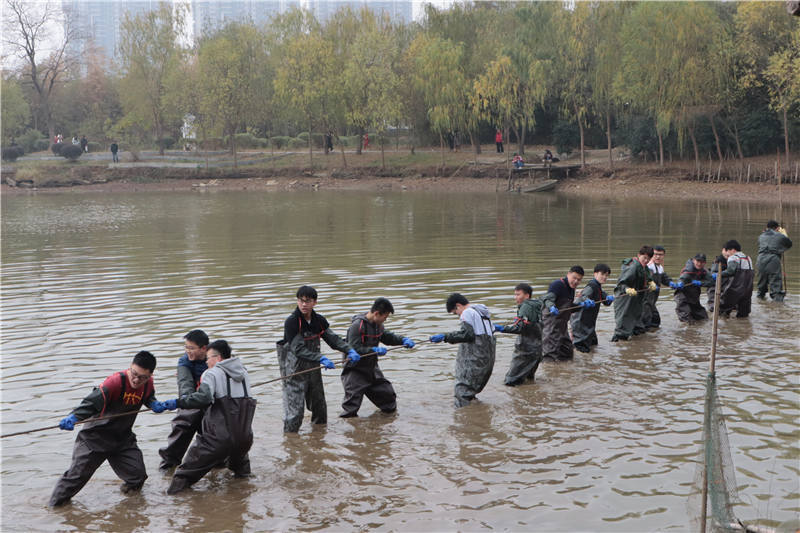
(248, 140)
(298, 144)
(11, 153)
(280, 141)
(95, 147)
(28, 140)
(303, 136)
(71, 151)
(41, 145)
(318, 139)
(566, 136)
(214, 143)
(165, 143)
(56, 148)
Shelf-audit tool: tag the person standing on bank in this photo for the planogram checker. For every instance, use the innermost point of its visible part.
(188, 421)
(300, 350)
(629, 294)
(687, 295)
(528, 346)
(498, 141)
(737, 281)
(556, 342)
(365, 377)
(476, 347)
(110, 439)
(114, 150)
(651, 319)
(772, 243)
(227, 435)
(584, 320)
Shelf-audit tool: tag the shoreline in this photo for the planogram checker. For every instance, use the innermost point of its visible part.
(627, 182)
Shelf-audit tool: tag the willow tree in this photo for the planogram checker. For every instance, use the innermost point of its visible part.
(783, 81)
(150, 56)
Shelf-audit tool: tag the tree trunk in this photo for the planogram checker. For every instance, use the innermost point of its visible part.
(521, 138)
(310, 150)
(580, 129)
(360, 140)
(660, 150)
(383, 157)
(341, 145)
(476, 145)
(441, 146)
(696, 151)
(608, 136)
(786, 136)
(233, 149)
(716, 136)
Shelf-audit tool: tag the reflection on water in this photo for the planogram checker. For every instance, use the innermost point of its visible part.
(605, 443)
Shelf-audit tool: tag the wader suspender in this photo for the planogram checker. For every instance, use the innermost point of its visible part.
(229, 387)
(300, 329)
(364, 335)
(489, 329)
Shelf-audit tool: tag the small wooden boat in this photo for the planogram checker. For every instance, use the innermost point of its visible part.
(542, 186)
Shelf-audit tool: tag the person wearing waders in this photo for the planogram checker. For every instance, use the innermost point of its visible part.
(110, 439)
(687, 294)
(737, 281)
(364, 378)
(228, 409)
(528, 346)
(720, 263)
(651, 319)
(187, 422)
(584, 320)
(634, 280)
(476, 347)
(300, 350)
(771, 246)
(556, 342)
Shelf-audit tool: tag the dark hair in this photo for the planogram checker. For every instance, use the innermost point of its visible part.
(646, 250)
(773, 224)
(307, 291)
(577, 269)
(145, 360)
(659, 248)
(197, 336)
(602, 267)
(454, 299)
(732, 244)
(382, 306)
(524, 287)
(222, 347)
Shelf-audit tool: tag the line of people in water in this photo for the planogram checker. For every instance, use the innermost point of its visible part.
(213, 425)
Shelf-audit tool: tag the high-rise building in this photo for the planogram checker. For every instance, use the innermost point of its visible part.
(210, 14)
(399, 10)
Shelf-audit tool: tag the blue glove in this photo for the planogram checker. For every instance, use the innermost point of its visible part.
(697, 283)
(68, 423)
(327, 363)
(553, 310)
(680, 284)
(498, 328)
(353, 356)
(610, 298)
(673, 285)
(157, 407)
(588, 304)
(170, 405)
(379, 350)
(439, 337)
(408, 343)
(714, 276)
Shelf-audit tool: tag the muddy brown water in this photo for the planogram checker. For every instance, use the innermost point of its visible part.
(608, 442)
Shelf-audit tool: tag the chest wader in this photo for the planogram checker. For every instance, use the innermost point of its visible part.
(710, 293)
(628, 309)
(527, 354)
(556, 342)
(105, 440)
(688, 306)
(474, 364)
(227, 435)
(305, 389)
(186, 423)
(365, 378)
(739, 291)
(769, 276)
(583, 322)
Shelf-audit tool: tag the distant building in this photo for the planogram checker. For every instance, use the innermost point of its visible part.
(208, 15)
(399, 10)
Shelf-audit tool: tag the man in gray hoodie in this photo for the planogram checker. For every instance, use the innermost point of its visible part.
(476, 350)
(227, 432)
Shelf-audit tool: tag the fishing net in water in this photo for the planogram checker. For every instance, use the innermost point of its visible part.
(716, 453)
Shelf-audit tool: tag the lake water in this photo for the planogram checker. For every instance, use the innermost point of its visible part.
(608, 442)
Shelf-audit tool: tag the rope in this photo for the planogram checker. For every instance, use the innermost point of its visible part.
(93, 419)
(573, 308)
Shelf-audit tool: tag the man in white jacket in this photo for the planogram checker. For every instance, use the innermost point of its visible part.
(227, 432)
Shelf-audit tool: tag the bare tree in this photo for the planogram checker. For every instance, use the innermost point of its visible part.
(28, 28)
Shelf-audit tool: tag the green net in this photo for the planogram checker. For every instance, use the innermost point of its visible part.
(721, 482)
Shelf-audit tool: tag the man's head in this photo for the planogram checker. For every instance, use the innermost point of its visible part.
(773, 224)
(730, 248)
(195, 343)
(699, 261)
(456, 303)
(522, 292)
(306, 299)
(574, 276)
(658, 255)
(217, 351)
(380, 311)
(601, 272)
(645, 254)
(142, 368)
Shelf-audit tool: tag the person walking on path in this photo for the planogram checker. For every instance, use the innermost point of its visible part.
(772, 244)
(114, 150)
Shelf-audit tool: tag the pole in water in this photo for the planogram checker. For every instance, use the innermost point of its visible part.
(92, 419)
